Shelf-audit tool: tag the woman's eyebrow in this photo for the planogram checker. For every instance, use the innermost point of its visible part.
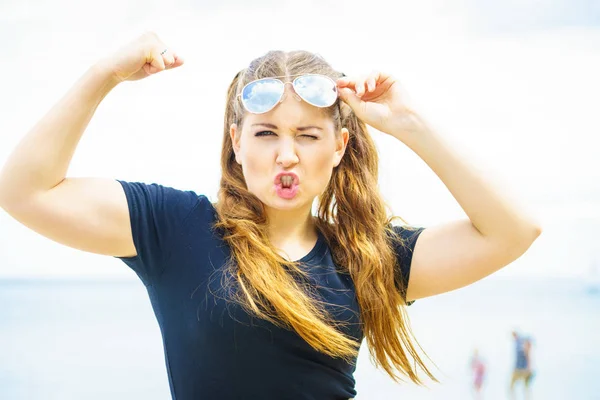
(266, 125)
(306, 128)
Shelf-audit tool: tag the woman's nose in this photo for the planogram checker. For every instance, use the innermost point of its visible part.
(286, 153)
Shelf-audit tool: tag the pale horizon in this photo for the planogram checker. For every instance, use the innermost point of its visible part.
(514, 86)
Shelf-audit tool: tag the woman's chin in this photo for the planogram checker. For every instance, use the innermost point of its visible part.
(283, 203)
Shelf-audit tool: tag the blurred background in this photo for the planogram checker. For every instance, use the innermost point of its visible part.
(513, 84)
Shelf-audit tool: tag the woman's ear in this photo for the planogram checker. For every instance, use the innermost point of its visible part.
(340, 146)
(234, 133)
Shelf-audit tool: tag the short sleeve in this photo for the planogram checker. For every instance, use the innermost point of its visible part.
(156, 214)
(404, 245)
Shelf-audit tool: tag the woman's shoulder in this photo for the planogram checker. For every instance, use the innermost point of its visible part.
(161, 199)
(405, 232)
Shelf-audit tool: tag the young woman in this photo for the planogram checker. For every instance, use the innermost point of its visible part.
(257, 296)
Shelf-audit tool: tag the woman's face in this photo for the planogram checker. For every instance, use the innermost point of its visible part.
(295, 138)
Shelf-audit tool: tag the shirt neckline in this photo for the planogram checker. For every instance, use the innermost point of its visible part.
(316, 250)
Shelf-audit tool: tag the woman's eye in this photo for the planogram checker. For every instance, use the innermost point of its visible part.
(270, 133)
(264, 133)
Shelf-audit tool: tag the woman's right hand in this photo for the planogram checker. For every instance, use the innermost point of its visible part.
(141, 58)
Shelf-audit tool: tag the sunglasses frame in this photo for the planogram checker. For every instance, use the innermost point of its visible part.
(293, 83)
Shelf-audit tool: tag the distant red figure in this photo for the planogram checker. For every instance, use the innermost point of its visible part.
(478, 369)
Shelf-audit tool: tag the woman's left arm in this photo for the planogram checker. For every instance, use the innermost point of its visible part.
(452, 255)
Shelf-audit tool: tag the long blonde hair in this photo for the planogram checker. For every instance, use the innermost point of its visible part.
(351, 216)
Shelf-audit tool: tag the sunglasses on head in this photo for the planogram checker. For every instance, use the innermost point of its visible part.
(262, 95)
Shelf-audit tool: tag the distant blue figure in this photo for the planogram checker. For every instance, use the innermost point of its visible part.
(523, 369)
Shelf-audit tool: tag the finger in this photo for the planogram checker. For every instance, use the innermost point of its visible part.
(350, 98)
(168, 58)
(372, 81)
(381, 76)
(360, 87)
(371, 84)
(172, 60)
(343, 82)
(178, 61)
(157, 63)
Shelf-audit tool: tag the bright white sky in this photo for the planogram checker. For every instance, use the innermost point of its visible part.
(514, 85)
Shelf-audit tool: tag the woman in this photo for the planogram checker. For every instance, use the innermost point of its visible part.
(257, 297)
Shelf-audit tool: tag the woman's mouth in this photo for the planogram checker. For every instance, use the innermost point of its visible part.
(286, 185)
(286, 192)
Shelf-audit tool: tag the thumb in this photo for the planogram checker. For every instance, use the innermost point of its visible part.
(350, 98)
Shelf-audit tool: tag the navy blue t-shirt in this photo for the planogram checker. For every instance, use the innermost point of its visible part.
(213, 348)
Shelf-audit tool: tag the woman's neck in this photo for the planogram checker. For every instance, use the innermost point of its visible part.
(288, 229)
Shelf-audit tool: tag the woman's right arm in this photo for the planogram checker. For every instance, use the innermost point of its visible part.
(90, 214)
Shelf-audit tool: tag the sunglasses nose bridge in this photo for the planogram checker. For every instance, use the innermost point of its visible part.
(292, 91)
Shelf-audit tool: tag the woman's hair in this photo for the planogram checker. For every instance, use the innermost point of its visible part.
(351, 216)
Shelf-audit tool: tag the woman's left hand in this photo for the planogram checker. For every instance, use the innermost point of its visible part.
(377, 100)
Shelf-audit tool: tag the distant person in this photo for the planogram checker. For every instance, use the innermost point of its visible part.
(522, 371)
(256, 295)
(478, 370)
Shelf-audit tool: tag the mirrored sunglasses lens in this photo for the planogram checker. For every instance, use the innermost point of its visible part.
(317, 90)
(262, 95)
